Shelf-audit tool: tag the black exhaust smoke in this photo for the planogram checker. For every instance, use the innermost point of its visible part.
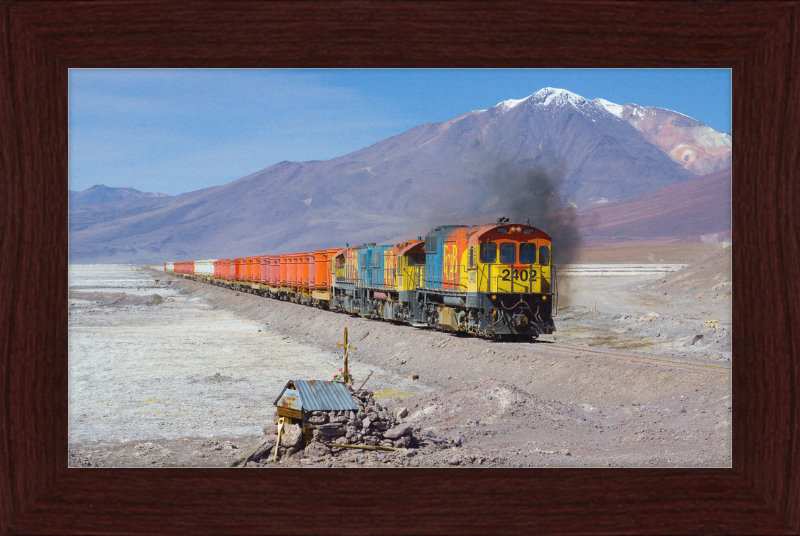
(535, 193)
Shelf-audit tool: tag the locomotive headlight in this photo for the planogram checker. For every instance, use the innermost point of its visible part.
(494, 296)
(544, 297)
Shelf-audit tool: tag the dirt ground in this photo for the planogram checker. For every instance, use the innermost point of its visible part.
(633, 377)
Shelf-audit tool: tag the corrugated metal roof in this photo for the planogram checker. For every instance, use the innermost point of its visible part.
(289, 399)
(318, 395)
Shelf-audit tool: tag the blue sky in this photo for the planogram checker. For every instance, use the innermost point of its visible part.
(173, 131)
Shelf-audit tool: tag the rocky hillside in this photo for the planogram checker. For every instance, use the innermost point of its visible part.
(697, 147)
(696, 210)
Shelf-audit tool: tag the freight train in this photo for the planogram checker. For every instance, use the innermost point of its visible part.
(494, 281)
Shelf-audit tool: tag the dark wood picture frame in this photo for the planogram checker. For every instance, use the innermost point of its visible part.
(758, 40)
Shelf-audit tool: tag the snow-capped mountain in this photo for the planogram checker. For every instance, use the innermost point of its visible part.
(474, 166)
(694, 145)
(554, 99)
(698, 147)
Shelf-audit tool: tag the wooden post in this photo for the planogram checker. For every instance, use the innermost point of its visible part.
(281, 421)
(346, 346)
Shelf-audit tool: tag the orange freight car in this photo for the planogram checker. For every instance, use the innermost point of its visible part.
(493, 280)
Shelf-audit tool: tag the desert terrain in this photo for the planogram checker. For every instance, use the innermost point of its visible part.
(168, 372)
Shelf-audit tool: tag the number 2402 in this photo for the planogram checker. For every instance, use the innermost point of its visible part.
(522, 275)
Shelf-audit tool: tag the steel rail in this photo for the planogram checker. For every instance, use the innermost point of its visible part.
(634, 359)
(638, 357)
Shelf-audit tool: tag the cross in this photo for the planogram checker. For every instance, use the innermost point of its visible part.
(346, 346)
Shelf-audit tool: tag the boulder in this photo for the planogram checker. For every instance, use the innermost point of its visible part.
(402, 443)
(336, 416)
(327, 432)
(397, 432)
(292, 435)
(333, 428)
(289, 452)
(316, 451)
(266, 448)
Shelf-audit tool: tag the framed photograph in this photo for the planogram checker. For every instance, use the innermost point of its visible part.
(43, 40)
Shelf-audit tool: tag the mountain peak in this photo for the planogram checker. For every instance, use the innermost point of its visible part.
(556, 96)
(546, 97)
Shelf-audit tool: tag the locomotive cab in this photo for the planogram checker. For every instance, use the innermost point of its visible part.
(511, 283)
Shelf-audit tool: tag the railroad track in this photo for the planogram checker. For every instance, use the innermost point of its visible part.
(652, 361)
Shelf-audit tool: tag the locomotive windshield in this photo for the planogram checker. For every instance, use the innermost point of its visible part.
(527, 253)
(544, 255)
(508, 253)
(488, 252)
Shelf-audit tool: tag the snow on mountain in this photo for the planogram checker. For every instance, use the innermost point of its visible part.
(694, 145)
(506, 105)
(546, 97)
(615, 109)
(549, 96)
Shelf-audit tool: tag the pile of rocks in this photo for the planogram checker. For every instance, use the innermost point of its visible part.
(371, 425)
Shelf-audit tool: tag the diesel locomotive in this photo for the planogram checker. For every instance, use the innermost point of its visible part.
(494, 281)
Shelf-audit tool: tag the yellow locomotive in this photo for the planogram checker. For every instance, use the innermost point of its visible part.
(494, 281)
